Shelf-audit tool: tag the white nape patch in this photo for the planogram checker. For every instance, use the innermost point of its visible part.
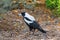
(29, 17)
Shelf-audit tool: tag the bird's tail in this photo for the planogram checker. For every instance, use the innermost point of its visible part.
(39, 27)
(43, 31)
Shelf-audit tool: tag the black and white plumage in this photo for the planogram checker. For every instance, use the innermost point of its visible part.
(30, 21)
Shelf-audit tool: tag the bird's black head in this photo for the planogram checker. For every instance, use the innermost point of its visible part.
(23, 14)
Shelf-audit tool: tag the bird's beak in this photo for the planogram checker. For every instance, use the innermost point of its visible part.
(20, 14)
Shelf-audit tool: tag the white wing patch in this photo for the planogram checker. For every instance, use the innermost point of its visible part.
(29, 16)
(28, 21)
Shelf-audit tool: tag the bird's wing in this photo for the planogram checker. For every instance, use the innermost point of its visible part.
(28, 21)
(37, 26)
(31, 18)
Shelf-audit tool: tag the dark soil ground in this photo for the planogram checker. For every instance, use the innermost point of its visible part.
(12, 27)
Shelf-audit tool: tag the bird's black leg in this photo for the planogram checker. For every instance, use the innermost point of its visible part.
(33, 30)
(30, 30)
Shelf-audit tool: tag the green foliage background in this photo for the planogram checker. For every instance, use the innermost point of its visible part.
(54, 5)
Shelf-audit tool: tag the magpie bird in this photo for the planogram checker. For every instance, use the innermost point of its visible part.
(30, 21)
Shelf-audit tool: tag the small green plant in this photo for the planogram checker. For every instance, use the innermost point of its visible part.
(54, 5)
